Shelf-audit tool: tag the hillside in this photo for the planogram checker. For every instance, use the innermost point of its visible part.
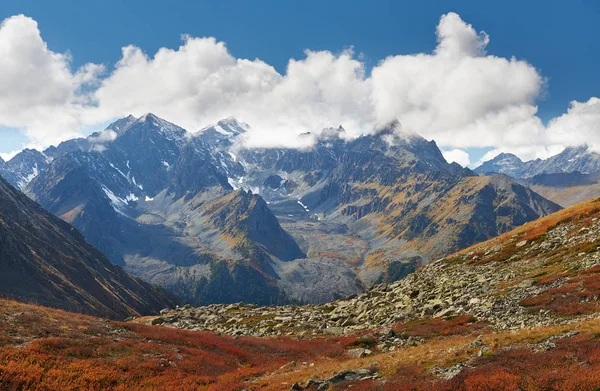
(46, 261)
(566, 189)
(45, 349)
(539, 274)
(528, 294)
(517, 312)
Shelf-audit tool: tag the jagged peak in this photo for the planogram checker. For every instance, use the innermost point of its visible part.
(326, 134)
(232, 121)
(122, 124)
(229, 127)
(579, 150)
(152, 121)
(28, 152)
(148, 117)
(506, 156)
(388, 129)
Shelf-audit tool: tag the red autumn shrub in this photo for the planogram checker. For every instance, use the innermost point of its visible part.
(431, 327)
(497, 381)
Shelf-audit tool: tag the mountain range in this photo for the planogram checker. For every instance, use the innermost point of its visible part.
(568, 178)
(213, 221)
(572, 159)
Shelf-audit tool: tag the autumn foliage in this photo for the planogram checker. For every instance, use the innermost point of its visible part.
(43, 349)
(433, 327)
(574, 365)
(578, 296)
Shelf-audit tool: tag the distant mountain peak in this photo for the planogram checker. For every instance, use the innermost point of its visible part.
(153, 122)
(505, 155)
(149, 118)
(121, 125)
(233, 122)
(224, 133)
(23, 167)
(389, 128)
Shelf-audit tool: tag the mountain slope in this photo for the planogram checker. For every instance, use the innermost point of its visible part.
(384, 199)
(245, 216)
(542, 273)
(509, 313)
(146, 150)
(45, 260)
(566, 189)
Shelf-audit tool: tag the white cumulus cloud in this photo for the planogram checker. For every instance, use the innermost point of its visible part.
(457, 156)
(38, 91)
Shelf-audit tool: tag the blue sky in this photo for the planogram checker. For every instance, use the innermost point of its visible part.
(558, 38)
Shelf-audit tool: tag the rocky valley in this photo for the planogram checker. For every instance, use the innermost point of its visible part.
(519, 311)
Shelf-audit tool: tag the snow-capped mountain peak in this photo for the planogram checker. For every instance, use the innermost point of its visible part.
(169, 129)
(121, 125)
(23, 167)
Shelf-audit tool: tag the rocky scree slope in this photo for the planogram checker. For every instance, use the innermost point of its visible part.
(546, 272)
(43, 348)
(47, 261)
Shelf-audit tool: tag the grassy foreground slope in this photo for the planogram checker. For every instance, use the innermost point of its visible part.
(48, 349)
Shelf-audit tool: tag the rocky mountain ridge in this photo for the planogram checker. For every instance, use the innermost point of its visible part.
(23, 167)
(320, 224)
(572, 159)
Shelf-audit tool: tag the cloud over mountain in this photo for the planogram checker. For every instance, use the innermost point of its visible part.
(457, 94)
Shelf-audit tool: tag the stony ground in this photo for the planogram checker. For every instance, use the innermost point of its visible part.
(489, 282)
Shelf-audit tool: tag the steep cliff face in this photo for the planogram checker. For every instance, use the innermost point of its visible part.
(45, 260)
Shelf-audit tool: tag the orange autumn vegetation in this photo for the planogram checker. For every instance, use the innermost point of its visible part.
(578, 296)
(574, 365)
(433, 327)
(45, 349)
(580, 214)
